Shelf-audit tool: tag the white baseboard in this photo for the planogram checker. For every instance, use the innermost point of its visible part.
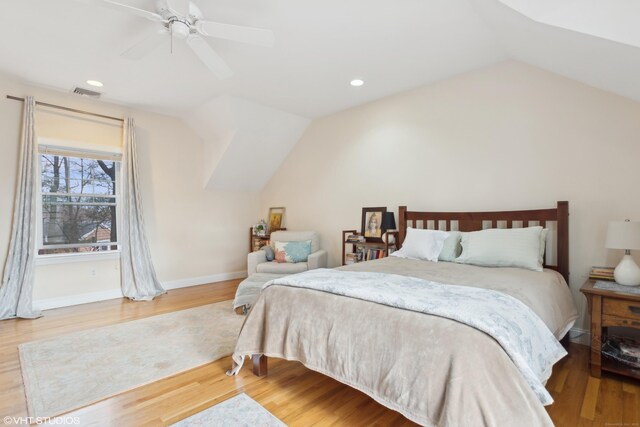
(66, 301)
(203, 280)
(579, 336)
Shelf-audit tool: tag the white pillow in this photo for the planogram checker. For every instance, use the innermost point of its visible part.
(422, 244)
(451, 248)
(499, 247)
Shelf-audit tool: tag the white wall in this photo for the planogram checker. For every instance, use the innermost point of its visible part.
(506, 137)
(194, 234)
(244, 142)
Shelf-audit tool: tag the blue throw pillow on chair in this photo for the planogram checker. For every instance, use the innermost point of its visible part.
(268, 252)
(294, 251)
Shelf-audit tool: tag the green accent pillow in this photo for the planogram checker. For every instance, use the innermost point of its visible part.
(452, 248)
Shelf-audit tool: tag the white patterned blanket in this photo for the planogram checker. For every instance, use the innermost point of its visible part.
(519, 331)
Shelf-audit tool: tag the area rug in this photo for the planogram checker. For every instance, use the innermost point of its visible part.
(239, 411)
(71, 371)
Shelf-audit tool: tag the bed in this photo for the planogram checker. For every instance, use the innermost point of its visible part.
(434, 370)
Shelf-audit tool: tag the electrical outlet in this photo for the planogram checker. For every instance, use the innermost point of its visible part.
(93, 272)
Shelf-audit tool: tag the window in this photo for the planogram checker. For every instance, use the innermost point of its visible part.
(77, 203)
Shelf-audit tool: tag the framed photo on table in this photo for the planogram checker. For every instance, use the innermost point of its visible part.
(276, 219)
(372, 224)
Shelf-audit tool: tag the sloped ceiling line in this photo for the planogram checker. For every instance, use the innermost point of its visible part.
(244, 142)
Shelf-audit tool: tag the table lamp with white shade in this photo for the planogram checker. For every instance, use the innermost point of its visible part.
(625, 235)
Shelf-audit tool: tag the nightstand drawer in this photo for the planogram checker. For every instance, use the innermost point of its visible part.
(608, 320)
(621, 308)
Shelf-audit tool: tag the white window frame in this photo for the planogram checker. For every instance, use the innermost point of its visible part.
(81, 150)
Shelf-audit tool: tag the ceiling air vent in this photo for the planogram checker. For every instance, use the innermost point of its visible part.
(86, 92)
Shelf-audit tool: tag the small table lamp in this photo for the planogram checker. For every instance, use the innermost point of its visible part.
(388, 221)
(625, 235)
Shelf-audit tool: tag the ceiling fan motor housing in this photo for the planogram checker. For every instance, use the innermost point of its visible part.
(190, 17)
(180, 29)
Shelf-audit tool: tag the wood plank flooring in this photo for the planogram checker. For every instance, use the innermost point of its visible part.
(296, 395)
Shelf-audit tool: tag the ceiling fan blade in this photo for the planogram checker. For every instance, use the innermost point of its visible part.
(179, 7)
(209, 57)
(146, 45)
(237, 33)
(126, 8)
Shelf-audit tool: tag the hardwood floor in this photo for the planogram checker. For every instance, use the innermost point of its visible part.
(296, 395)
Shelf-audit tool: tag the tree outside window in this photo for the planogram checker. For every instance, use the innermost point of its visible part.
(78, 204)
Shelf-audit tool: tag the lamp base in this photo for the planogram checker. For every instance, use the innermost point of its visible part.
(627, 272)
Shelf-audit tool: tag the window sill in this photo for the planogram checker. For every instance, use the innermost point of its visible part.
(72, 258)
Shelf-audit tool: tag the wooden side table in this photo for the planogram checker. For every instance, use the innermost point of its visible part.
(610, 308)
(256, 242)
(384, 245)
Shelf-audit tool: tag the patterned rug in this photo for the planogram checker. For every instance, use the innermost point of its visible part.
(239, 411)
(71, 371)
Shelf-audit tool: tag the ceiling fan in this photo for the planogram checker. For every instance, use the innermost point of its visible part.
(183, 20)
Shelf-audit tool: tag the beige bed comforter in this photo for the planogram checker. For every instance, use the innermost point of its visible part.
(435, 371)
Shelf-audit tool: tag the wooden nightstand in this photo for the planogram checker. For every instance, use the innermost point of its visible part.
(609, 308)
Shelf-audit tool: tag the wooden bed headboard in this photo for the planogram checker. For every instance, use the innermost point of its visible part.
(474, 221)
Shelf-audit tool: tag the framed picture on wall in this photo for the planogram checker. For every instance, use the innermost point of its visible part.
(276, 219)
(371, 223)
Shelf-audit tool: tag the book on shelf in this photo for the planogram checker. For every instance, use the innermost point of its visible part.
(602, 273)
(374, 254)
(364, 254)
(259, 244)
(355, 238)
(603, 270)
(605, 278)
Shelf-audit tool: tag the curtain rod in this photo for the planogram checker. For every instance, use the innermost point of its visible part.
(73, 110)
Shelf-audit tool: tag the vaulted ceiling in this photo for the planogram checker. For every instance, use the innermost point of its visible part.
(576, 49)
(319, 48)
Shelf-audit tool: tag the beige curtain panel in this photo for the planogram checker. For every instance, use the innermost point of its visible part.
(16, 290)
(139, 281)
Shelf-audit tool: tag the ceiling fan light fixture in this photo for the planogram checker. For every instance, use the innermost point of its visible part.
(356, 82)
(95, 83)
(179, 29)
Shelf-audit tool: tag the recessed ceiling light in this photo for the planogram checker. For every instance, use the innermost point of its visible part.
(357, 82)
(95, 83)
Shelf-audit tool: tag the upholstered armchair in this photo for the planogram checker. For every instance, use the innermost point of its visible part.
(257, 261)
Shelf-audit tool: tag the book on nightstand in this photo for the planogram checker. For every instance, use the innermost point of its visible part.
(602, 273)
